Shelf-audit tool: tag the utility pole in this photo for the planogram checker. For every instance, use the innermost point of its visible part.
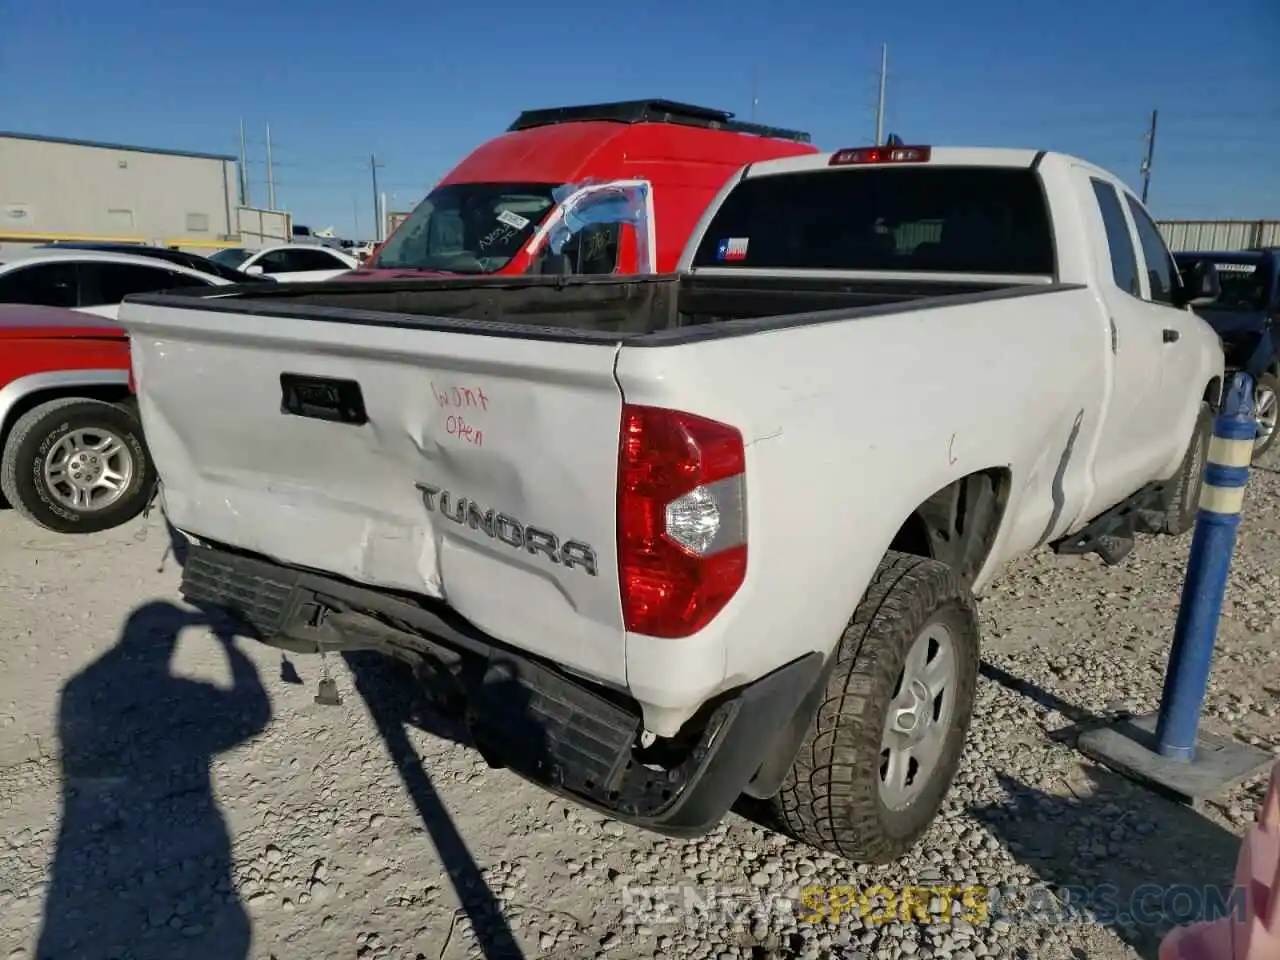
(884, 73)
(244, 170)
(271, 174)
(378, 225)
(1151, 152)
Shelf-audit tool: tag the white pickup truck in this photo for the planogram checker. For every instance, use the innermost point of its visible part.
(676, 539)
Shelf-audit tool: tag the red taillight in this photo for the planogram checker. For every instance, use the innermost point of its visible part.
(866, 155)
(682, 520)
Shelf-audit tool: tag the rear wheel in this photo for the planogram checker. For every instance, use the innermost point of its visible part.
(1266, 407)
(1182, 495)
(77, 466)
(884, 746)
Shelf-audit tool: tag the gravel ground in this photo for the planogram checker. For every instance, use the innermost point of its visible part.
(217, 811)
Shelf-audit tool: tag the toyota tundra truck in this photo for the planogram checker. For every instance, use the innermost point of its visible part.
(670, 540)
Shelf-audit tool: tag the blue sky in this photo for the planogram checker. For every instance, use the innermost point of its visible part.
(420, 84)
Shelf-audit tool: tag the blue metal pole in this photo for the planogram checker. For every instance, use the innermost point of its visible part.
(1221, 498)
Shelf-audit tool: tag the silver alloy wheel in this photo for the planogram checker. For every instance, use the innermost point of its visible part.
(919, 718)
(88, 469)
(1264, 410)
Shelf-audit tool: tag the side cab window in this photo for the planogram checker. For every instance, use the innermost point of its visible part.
(1124, 260)
(1162, 276)
(601, 230)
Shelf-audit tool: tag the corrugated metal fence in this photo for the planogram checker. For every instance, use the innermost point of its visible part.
(1220, 234)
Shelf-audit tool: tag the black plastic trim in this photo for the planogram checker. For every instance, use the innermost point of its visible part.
(262, 306)
(653, 111)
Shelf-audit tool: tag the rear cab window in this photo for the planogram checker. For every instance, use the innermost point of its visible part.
(936, 219)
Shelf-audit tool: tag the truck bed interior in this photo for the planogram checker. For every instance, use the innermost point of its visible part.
(621, 305)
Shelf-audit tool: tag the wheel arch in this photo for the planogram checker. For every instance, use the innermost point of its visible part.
(957, 525)
(25, 393)
(1213, 393)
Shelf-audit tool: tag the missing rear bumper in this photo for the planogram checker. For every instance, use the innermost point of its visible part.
(572, 737)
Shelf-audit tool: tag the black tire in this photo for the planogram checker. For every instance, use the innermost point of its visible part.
(37, 432)
(1269, 382)
(1182, 494)
(831, 797)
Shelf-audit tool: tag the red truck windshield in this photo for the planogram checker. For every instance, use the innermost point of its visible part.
(929, 218)
(467, 228)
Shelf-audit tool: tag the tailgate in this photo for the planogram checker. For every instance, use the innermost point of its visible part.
(479, 469)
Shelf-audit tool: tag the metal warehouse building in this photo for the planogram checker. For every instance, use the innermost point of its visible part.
(53, 188)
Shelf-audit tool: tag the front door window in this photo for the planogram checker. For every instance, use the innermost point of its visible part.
(589, 226)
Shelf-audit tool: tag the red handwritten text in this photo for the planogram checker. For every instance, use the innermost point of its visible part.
(455, 426)
(461, 398)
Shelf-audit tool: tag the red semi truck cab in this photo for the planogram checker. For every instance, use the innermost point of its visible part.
(604, 188)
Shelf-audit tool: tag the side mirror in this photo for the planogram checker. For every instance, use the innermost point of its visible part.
(1200, 284)
(255, 270)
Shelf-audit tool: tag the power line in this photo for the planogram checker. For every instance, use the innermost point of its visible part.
(884, 72)
(244, 170)
(271, 182)
(377, 205)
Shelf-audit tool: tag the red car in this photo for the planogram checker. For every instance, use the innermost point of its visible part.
(72, 454)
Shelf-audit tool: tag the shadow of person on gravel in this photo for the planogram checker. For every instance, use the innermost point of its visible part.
(1115, 854)
(396, 698)
(143, 862)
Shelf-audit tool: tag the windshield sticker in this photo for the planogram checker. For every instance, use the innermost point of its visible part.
(513, 219)
(734, 248)
(1237, 267)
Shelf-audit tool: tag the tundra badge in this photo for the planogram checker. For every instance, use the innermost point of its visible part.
(504, 527)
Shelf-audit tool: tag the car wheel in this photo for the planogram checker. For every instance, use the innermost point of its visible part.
(884, 746)
(75, 465)
(1182, 493)
(1266, 406)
